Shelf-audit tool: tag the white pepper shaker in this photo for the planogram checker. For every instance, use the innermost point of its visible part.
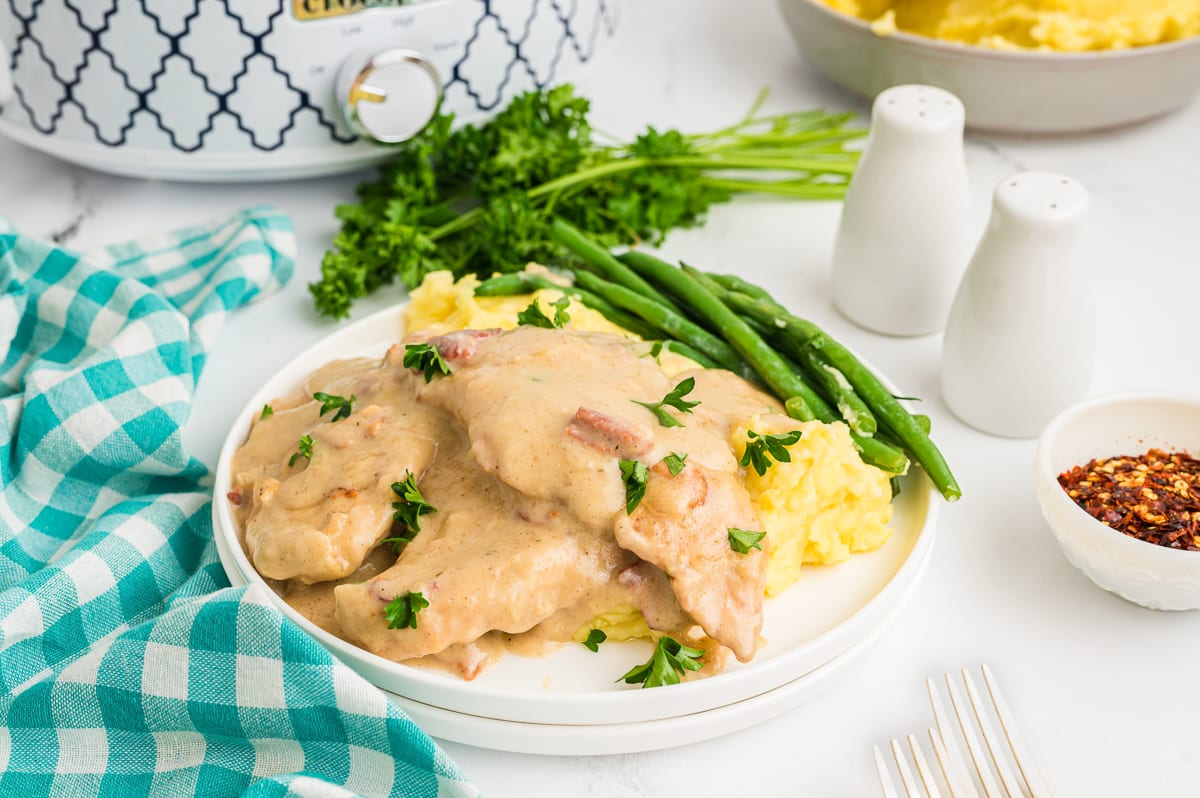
(1020, 341)
(905, 232)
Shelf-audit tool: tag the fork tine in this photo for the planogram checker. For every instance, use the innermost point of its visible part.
(948, 752)
(923, 769)
(885, 780)
(906, 776)
(943, 760)
(1033, 780)
(990, 787)
(1011, 785)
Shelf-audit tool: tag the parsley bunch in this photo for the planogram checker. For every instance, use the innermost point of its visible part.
(480, 198)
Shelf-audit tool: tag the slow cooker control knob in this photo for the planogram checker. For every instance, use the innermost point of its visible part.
(388, 95)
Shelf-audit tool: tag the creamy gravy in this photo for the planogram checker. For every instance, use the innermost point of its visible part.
(517, 449)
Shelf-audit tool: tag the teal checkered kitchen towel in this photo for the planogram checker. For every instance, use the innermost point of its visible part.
(127, 664)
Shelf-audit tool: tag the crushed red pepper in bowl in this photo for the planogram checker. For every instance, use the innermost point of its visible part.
(1153, 497)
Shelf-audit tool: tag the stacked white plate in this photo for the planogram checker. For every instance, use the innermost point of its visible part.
(569, 702)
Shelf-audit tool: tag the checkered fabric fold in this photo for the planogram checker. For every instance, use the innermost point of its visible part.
(128, 666)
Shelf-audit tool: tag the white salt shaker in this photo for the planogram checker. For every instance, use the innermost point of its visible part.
(1020, 341)
(905, 232)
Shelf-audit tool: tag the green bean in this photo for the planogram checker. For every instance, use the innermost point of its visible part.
(680, 348)
(662, 318)
(851, 407)
(512, 284)
(601, 261)
(830, 386)
(766, 361)
(731, 282)
(521, 283)
(874, 450)
(886, 408)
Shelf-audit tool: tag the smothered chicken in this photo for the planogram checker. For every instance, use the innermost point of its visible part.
(529, 480)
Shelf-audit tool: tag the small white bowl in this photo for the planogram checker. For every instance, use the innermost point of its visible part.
(1127, 424)
(1004, 91)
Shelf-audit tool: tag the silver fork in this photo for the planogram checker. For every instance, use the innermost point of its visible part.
(952, 768)
(927, 775)
(1002, 751)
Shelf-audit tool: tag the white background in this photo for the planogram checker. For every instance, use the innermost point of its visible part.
(1107, 693)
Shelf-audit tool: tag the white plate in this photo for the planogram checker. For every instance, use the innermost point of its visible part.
(652, 735)
(827, 613)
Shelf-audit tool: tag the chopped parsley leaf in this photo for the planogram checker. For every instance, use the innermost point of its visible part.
(758, 447)
(266, 411)
(673, 399)
(669, 660)
(398, 542)
(534, 316)
(340, 406)
(402, 611)
(594, 639)
(742, 540)
(305, 446)
(425, 358)
(410, 508)
(675, 463)
(634, 475)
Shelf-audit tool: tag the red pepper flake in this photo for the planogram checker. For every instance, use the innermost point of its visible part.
(1153, 497)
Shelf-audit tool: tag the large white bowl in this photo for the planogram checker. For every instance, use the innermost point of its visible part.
(829, 612)
(1005, 91)
(1144, 573)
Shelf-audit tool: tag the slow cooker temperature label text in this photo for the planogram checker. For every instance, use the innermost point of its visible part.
(322, 9)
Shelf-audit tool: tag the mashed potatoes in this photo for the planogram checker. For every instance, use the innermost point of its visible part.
(441, 304)
(822, 506)
(1058, 25)
(818, 509)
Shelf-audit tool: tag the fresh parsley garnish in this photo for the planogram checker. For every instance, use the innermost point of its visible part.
(266, 411)
(533, 316)
(402, 611)
(669, 660)
(412, 505)
(425, 358)
(398, 542)
(634, 475)
(742, 540)
(594, 639)
(674, 399)
(340, 406)
(675, 463)
(758, 447)
(305, 446)
(477, 198)
(656, 349)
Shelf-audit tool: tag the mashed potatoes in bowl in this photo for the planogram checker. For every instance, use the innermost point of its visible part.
(1049, 25)
(1038, 66)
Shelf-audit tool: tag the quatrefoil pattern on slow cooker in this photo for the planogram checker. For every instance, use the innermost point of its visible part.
(246, 75)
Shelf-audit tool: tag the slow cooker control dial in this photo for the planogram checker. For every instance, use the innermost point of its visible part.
(388, 95)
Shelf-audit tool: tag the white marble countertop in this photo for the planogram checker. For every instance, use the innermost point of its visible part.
(1106, 692)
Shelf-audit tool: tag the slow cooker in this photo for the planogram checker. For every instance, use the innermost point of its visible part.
(271, 89)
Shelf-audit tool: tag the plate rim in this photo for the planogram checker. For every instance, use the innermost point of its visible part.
(447, 692)
(604, 739)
